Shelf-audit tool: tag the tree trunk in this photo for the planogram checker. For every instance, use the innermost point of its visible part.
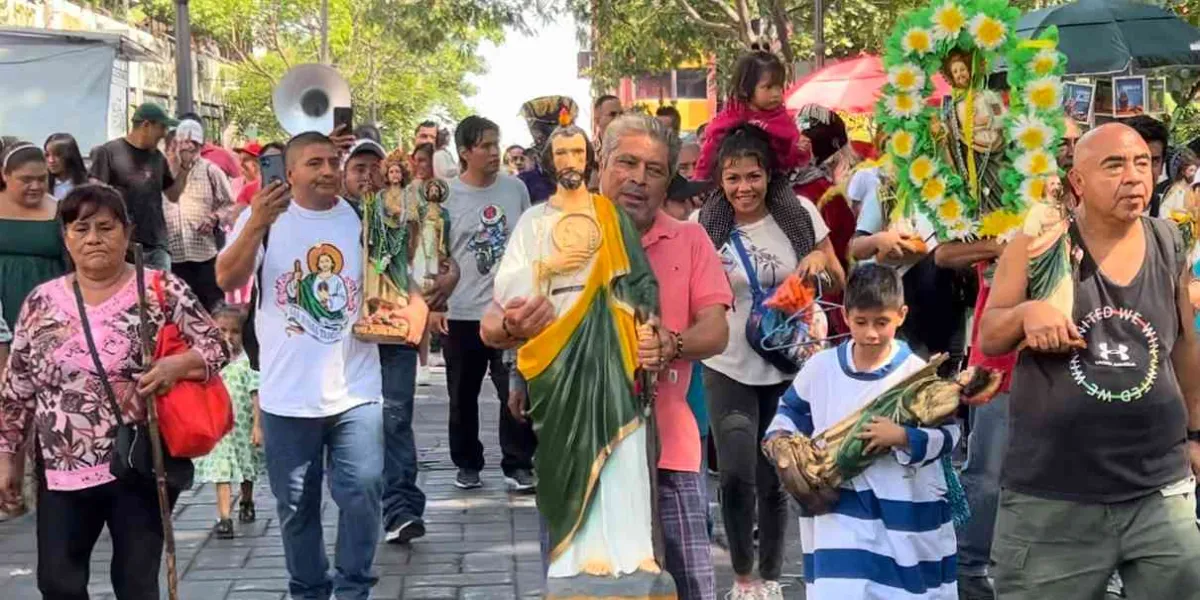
(779, 16)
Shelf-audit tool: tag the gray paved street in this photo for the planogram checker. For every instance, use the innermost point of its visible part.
(481, 544)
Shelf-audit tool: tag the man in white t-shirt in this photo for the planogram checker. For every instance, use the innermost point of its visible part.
(936, 315)
(321, 387)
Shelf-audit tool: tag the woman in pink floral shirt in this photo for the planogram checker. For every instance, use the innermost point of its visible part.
(51, 380)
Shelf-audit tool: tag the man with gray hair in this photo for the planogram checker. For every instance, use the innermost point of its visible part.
(574, 294)
(637, 165)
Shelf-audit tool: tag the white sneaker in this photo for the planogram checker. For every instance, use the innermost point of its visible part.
(1116, 587)
(744, 591)
(424, 378)
(771, 590)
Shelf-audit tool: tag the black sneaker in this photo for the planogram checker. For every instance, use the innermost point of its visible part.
(520, 480)
(246, 512)
(406, 532)
(975, 587)
(467, 479)
(223, 530)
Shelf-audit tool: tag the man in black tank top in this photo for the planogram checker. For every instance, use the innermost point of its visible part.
(1105, 402)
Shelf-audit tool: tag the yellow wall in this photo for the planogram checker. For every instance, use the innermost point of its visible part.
(694, 112)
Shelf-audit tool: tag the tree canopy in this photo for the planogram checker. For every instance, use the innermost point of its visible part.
(642, 37)
(405, 60)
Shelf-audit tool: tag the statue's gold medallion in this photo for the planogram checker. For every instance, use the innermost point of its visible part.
(576, 232)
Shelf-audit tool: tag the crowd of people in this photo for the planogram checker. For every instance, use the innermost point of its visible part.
(1078, 473)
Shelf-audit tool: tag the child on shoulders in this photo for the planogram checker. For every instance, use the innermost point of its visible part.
(756, 98)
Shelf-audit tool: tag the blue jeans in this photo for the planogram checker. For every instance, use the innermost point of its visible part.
(402, 500)
(297, 451)
(986, 445)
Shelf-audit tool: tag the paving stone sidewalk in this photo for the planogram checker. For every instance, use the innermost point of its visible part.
(481, 544)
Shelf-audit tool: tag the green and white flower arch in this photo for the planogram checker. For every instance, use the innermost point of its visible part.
(1033, 125)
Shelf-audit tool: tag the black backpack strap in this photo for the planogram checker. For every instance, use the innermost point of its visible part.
(258, 273)
(249, 333)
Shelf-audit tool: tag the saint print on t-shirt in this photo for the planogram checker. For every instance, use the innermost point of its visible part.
(321, 302)
(489, 238)
(1122, 355)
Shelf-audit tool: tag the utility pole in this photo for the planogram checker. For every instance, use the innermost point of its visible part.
(183, 57)
(325, 32)
(818, 34)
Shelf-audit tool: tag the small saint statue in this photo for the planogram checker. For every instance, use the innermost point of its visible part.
(432, 251)
(393, 311)
(970, 129)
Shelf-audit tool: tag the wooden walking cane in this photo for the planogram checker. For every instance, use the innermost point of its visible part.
(156, 450)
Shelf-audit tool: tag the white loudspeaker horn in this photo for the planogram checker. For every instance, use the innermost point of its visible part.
(306, 96)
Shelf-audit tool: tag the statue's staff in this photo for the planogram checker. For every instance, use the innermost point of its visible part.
(647, 392)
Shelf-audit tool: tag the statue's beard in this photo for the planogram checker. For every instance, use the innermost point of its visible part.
(572, 179)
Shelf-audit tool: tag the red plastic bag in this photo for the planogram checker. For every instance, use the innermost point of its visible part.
(194, 415)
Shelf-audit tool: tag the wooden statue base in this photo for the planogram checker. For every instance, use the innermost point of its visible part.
(383, 322)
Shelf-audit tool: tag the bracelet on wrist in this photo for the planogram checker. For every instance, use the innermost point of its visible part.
(678, 337)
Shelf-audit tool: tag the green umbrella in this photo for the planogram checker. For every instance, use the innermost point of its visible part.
(1111, 36)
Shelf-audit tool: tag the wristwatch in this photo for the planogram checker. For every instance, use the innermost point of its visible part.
(1193, 435)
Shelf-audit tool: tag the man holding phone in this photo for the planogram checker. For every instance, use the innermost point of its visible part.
(321, 387)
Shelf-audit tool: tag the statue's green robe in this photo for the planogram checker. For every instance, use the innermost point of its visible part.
(580, 370)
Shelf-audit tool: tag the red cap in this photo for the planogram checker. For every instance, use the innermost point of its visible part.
(251, 148)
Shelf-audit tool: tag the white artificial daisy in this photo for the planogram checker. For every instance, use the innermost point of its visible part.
(1033, 189)
(917, 40)
(921, 169)
(960, 229)
(1031, 133)
(906, 77)
(902, 144)
(933, 192)
(948, 21)
(903, 105)
(1044, 93)
(1044, 62)
(1037, 163)
(989, 33)
(951, 210)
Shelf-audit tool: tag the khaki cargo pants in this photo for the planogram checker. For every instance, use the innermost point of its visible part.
(1061, 550)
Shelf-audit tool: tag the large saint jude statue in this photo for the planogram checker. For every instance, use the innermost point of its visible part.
(583, 254)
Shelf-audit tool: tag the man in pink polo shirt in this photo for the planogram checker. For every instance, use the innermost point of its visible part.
(638, 160)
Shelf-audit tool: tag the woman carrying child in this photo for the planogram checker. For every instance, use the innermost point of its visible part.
(763, 233)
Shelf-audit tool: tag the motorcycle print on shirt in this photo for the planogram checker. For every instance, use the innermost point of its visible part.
(489, 239)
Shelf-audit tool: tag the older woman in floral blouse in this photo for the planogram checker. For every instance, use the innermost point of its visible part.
(52, 382)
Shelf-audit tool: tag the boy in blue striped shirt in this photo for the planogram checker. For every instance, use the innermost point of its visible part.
(890, 533)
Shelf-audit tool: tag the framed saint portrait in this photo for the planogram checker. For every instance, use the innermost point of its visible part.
(1078, 101)
(1129, 96)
